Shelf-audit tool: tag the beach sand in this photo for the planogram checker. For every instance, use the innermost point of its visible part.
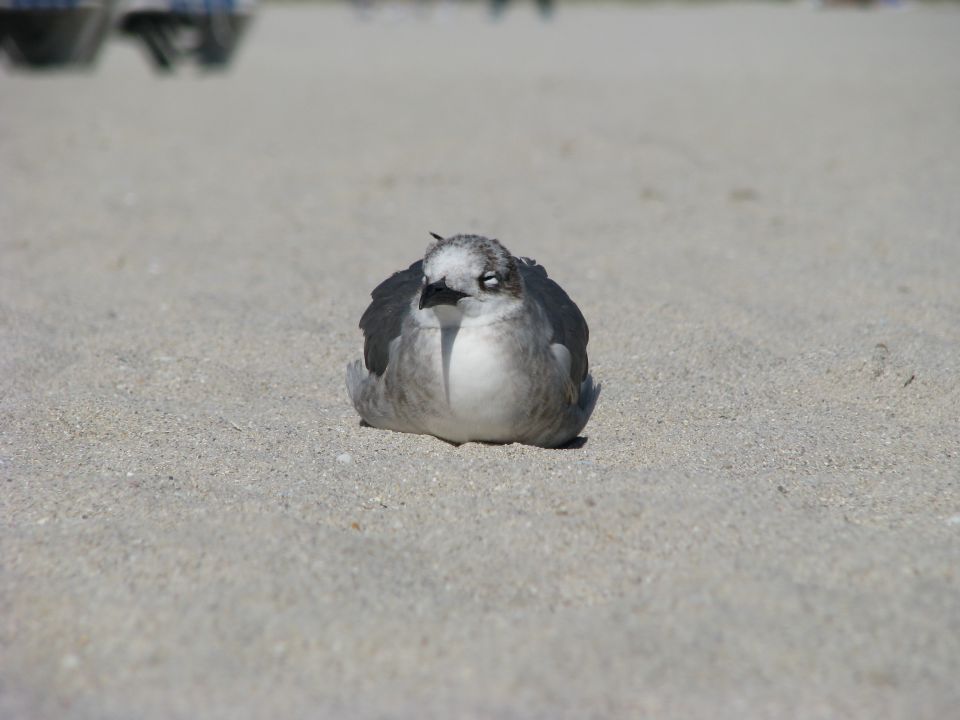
(755, 207)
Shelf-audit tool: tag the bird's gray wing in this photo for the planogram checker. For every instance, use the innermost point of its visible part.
(383, 319)
(569, 327)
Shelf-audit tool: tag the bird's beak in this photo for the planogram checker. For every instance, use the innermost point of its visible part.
(439, 294)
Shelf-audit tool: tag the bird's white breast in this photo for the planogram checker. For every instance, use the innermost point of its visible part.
(479, 385)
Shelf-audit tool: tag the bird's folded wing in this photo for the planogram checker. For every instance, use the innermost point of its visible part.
(383, 319)
(569, 326)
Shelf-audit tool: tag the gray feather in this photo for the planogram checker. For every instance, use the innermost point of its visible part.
(383, 319)
(569, 326)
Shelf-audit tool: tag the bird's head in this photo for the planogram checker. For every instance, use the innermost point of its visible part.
(469, 276)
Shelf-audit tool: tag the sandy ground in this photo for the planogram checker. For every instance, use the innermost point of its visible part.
(755, 207)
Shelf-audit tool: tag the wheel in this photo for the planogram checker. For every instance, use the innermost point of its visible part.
(219, 35)
(47, 38)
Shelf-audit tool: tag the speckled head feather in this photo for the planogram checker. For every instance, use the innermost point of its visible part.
(476, 254)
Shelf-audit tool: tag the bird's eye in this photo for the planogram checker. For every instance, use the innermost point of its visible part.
(490, 279)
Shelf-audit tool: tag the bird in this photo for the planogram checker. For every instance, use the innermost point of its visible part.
(473, 344)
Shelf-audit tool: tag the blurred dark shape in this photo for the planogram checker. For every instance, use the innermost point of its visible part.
(857, 3)
(57, 33)
(498, 7)
(47, 34)
(206, 30)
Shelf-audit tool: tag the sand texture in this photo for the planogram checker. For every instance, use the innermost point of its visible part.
(757, 208)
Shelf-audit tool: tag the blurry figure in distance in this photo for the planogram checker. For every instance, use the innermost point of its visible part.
(497, 8)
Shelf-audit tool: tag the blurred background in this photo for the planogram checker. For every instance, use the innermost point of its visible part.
(753, 204)
(60, 33)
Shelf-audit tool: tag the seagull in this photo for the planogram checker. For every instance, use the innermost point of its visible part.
(474, 344)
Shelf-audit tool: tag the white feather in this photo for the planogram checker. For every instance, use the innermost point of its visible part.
(478, 384)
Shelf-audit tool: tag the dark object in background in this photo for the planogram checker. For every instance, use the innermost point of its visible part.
(48, 34)
(56, 33)
(208, 30)
(497, 7)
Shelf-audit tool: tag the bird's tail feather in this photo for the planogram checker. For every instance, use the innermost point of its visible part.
(588, 397)
(356, 374)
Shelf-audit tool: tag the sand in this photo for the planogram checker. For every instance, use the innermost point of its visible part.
(757, 210)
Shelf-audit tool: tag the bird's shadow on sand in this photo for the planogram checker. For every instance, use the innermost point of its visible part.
(576, 444)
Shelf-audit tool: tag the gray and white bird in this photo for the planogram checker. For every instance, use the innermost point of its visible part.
(474, 344)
